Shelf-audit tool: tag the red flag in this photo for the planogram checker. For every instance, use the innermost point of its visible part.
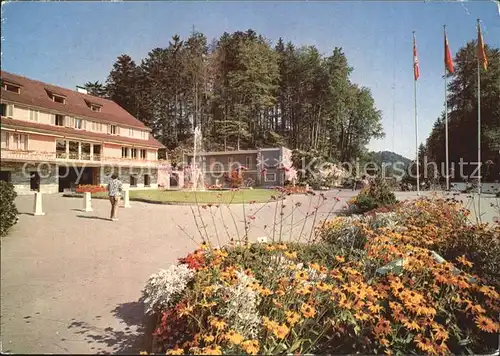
(416, 68)
(448, 61)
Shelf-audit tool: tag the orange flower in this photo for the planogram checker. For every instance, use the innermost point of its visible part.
(340, 259)
(308, 311)
(281, 331)
(234, 338)
(486, 324)
(464, 261)
(250, 347)
(292, 317)
(383, 327)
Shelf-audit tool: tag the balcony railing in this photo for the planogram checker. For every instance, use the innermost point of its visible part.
(37, 156)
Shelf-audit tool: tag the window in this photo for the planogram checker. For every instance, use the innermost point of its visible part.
(16, 141)
(95, 108)
(147, 180)
(133, 152)
(78, 124)
(270, 177)
(58, 99)
(59, 120)
(34, 115)
(143, 154)
(11, 87)
(5, 176)
(133, 181)
(112, 129)
(61, 149)
(124, 152)
(7, 110)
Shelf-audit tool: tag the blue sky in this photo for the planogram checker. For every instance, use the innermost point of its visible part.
(68, 44)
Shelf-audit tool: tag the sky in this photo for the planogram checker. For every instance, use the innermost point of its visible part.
(70, 43)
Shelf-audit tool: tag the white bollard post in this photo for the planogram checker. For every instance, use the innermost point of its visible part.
(37, 207)
(126, 198)
(87, 201)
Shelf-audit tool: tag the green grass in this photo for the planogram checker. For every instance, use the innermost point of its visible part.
(210, 197)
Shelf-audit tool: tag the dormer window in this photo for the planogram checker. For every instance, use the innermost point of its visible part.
(57, 98)
(93, 106)
(11, 87)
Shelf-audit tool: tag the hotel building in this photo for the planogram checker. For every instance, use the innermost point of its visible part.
(54, 138)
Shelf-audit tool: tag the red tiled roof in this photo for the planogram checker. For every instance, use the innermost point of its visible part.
(35, 93)
(42, 128)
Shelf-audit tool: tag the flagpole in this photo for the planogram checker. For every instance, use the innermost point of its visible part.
(479, 119)
(416, 124)
(446, 116)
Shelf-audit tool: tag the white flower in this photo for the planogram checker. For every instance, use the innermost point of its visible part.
(240, 311)
(165, 288)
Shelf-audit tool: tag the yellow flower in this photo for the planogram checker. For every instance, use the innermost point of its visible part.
(301, 275)
(315, 266)
(208, 338)
(291, 255)
(218, 324)
(204, 246)
(270, 248)
(340, 258)
(176, 351)
(323, 286)
(208, 305)
(464, 261)
(234, 337)
(308, 311)
(250, 347)
(281, 331)
(212, 350)
(375, 308)
(292, 317)
(188, 309)
(281, 247)
(143, 353)
(265, 292)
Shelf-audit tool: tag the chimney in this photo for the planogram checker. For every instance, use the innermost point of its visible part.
(81, 90)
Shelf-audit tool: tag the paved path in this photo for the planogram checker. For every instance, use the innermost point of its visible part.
(71, 281)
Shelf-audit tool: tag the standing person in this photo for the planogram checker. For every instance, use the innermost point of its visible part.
(114, 193)
(365, 182)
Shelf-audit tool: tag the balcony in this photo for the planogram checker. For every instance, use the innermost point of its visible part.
(84, 158)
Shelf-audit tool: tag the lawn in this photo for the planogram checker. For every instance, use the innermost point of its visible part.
(209, 197)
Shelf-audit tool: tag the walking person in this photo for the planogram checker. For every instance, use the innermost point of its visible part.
(114, 193)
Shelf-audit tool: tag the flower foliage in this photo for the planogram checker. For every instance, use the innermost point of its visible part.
(386, 282)
(165, 287)
(88, 188)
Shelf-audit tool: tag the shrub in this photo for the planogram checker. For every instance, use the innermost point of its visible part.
(377, 195)
(8, 210)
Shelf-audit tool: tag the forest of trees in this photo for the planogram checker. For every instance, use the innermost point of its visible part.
(245, 92)
(463, 119)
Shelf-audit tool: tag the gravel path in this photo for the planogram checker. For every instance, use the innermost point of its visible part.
(71, 280)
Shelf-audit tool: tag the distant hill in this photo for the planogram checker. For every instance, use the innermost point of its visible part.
(389, 157)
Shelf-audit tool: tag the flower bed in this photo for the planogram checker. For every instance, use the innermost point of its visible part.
(372, 284)
(87, 188)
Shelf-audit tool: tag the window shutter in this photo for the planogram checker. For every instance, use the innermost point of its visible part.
(84, 124)
(52, 119)
(10, 110)
(117, 130)
(67, 121)
(25, 137)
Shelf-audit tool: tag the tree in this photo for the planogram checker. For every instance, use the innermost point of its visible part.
(462, 101)
(96, 88)
(122, 82)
